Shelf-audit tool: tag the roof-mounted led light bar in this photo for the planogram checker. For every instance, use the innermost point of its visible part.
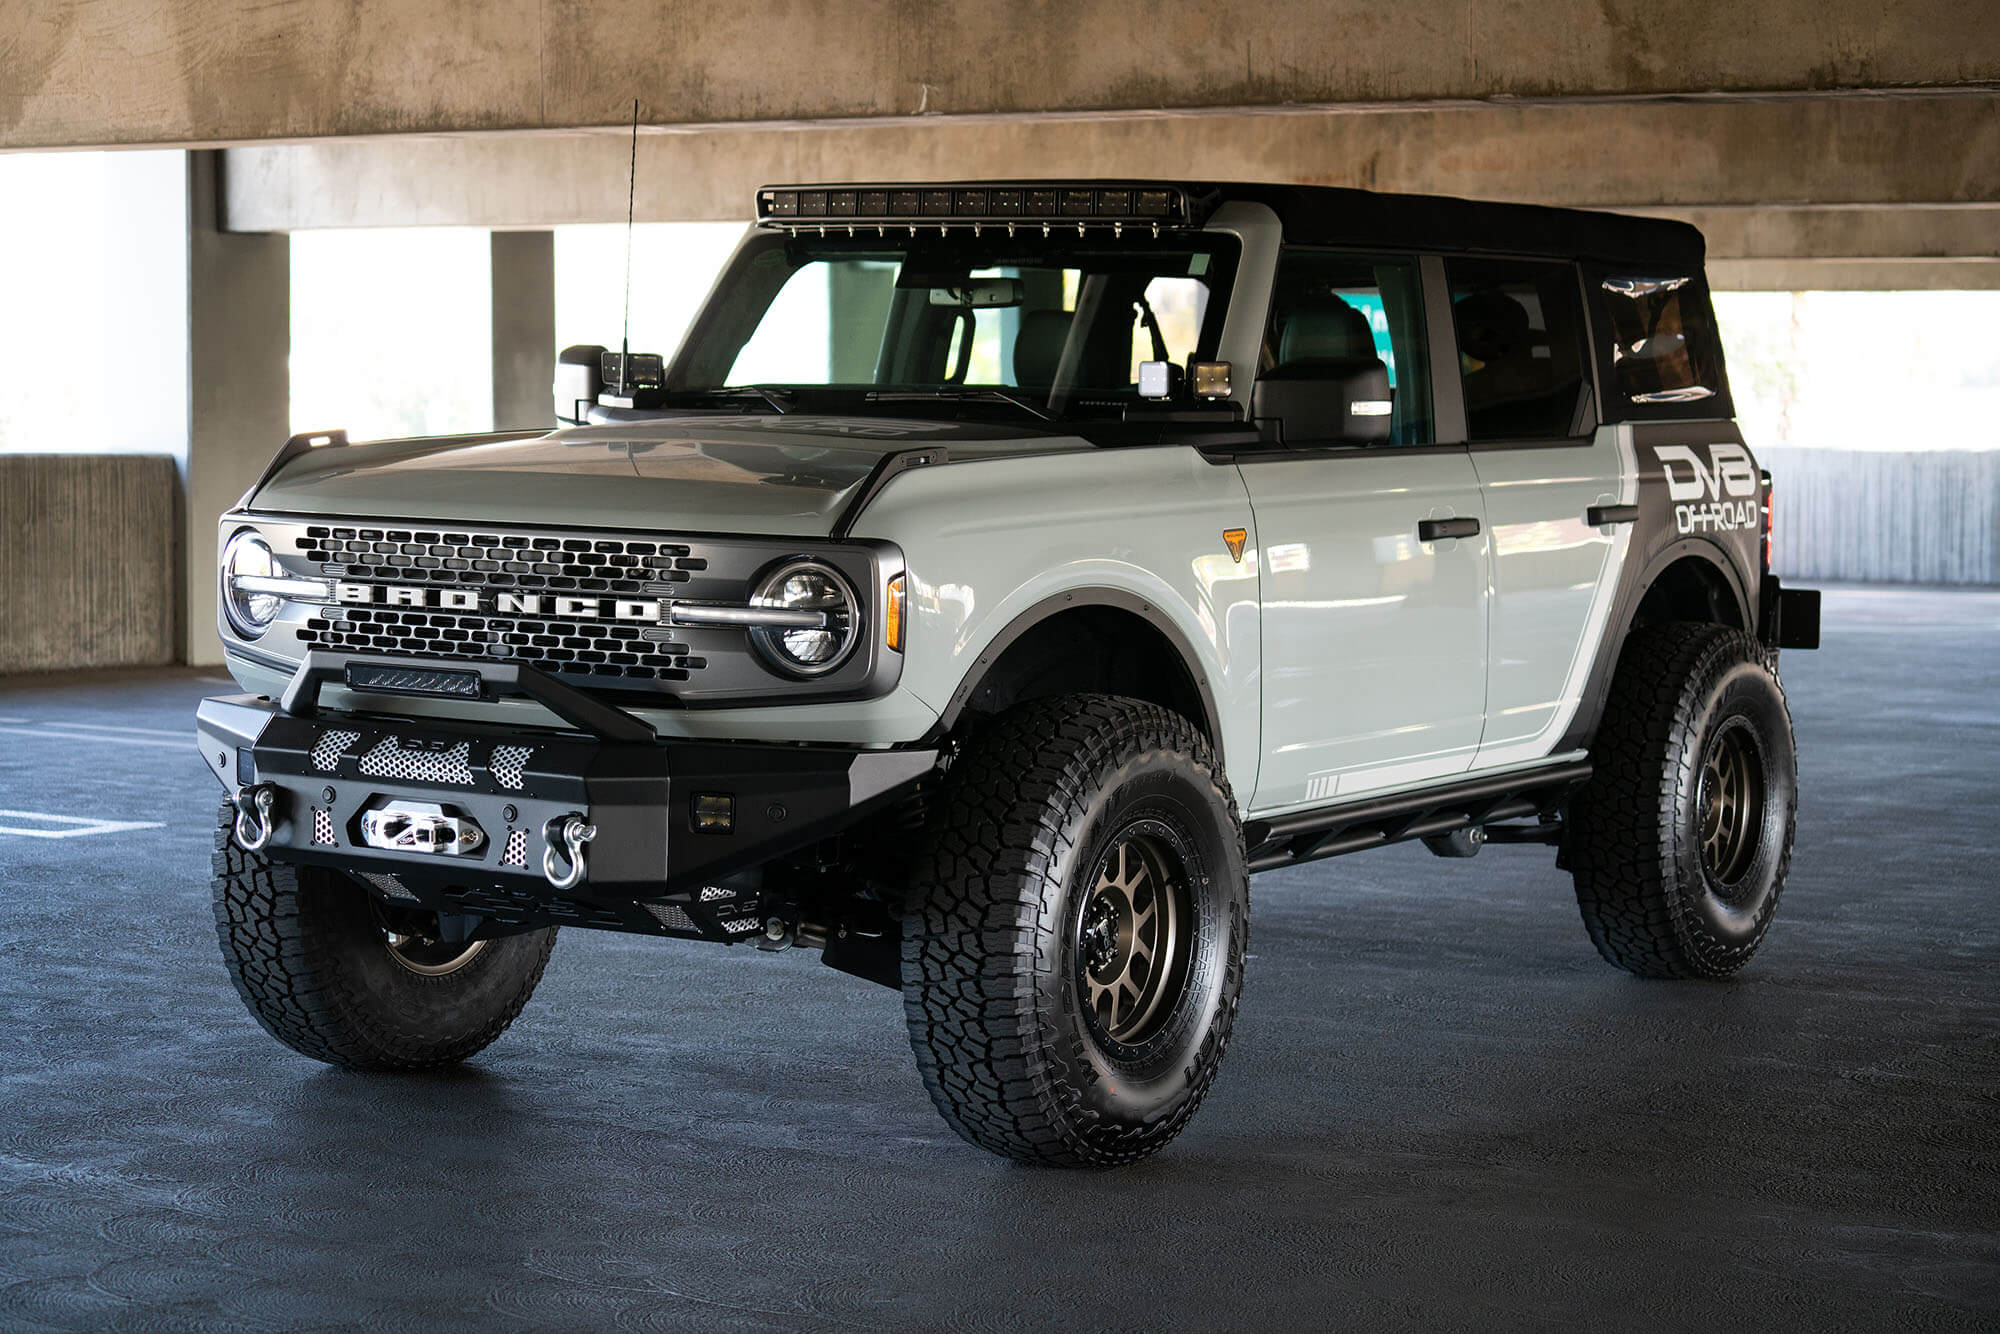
(1018, 206)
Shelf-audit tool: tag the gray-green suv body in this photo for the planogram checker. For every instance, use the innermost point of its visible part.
(996, 577)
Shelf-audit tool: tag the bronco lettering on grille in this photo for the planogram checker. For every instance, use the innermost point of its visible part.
(646, 610)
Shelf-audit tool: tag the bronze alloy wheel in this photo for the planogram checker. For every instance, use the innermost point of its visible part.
(1133, 934)
(1731, 802)
(415, 942)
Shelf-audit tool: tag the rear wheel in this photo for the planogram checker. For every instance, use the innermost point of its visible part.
(336, 975)
(1681, 840)
(1074, 952)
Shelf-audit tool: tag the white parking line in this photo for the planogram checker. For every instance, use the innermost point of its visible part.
(180, 733)
(69, 826)
(99, 736)
(5, 719)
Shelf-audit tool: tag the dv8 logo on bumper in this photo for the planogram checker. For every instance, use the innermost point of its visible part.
(1712, 494)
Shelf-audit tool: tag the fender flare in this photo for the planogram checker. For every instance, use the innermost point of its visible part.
(1076, 599)
(1597, 687)
(1710, 554)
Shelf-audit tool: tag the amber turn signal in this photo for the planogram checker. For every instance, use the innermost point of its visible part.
(892, 616)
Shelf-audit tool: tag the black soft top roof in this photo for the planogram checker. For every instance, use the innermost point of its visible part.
(1312, 215)
(1326, 215)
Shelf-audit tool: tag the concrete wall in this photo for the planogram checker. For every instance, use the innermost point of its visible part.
(1929, 518)
(88, 554)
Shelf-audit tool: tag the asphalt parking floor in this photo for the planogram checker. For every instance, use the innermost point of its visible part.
(1440, 1110)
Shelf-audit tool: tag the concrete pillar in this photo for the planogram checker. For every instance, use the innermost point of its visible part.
(239, 401)
(524, 329)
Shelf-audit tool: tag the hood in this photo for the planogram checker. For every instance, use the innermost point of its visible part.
(788, 475)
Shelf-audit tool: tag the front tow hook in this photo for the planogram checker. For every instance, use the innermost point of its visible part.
(565, 836)
(254, 805)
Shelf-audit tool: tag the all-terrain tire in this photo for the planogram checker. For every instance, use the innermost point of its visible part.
(307, 953)
(1013, 927)
(1680, 842)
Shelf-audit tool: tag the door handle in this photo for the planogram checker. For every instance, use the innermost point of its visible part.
(1599, 516)
(1436, 530)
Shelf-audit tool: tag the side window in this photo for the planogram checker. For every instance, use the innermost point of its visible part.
(1663, 344)
(1334, 313)
(1521, 350)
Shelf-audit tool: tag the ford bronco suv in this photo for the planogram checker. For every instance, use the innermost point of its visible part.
(998, 575)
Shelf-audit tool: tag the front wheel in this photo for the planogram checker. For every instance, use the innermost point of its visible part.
(1680, 842)
(338, 976)
(1073, 954)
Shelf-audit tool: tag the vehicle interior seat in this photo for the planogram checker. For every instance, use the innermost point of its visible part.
(1332, 332)
(1513, 392)
(1038, 346)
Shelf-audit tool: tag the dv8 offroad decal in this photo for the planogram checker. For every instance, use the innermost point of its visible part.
(1713, 488)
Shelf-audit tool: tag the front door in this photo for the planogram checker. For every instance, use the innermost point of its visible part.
(1374, 614)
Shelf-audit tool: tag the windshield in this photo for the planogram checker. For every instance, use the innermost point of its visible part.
(1053, 326)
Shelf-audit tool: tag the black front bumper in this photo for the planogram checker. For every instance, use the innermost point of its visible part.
(651, 866)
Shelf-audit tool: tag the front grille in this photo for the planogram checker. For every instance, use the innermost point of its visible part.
(499, 562)
(515, 851)
(502, 561)
(581, 648)
(323, 828)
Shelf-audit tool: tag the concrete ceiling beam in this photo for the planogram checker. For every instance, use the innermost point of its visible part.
(1825, 154)
(1854, 275)
(91, 73)
(1969, 232)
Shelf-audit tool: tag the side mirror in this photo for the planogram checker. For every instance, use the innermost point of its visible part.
(1324, 400)
(579, 380)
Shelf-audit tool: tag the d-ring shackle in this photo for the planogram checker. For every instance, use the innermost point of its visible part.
(253, 816)
(568, 834)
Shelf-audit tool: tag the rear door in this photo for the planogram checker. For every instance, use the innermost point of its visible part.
(1544, 465)
(1374, 639)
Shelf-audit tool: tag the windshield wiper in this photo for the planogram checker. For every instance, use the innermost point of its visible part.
(1027, 405)
(780, 399)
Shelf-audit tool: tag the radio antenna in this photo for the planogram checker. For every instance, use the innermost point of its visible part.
(631, 191)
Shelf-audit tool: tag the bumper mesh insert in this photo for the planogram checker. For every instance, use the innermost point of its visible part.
(388, 758)
(508, 764)
(332, 744)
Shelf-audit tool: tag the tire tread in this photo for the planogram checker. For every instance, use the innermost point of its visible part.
(1620, 846)
(287, 971)
(968, 943)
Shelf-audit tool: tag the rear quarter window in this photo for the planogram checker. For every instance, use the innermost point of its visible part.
(1661, 355)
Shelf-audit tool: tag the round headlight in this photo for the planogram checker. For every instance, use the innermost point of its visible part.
(829, 629)
(250, 614)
